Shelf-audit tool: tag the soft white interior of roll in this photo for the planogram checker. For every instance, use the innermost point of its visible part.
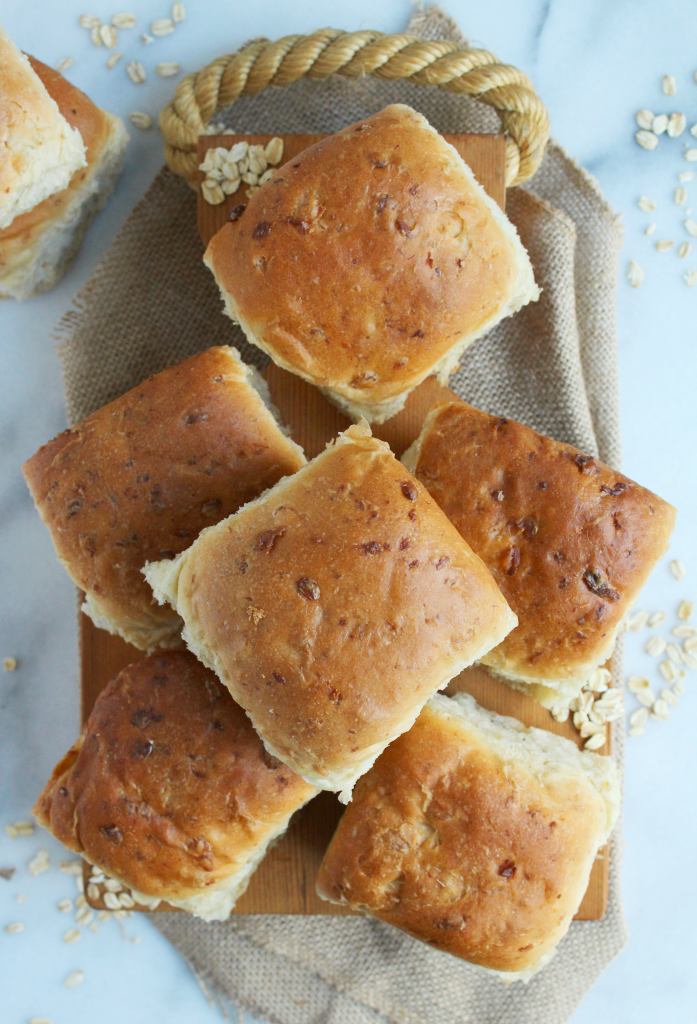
(547, 756)
(146, 632)
(49, 160)
(163, 577)
(55, 247)
(357, 404)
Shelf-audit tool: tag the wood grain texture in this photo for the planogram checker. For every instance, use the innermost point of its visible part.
(285, 881)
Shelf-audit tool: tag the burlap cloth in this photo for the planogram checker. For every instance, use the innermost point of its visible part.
(151, 302)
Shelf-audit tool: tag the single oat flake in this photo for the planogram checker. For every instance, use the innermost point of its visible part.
(690, 154)
(109, 37)
(136, 72)
(113, 60)
(647, 140)
(660, 123)
(140, 119)
(646, 204)
(685, 250)
(123, 20)
(691, 227)
(15, 928)
(657, 619)
(664, 244)
(655, 645)
(680, 196)
(635, 275)
(686, 175)
(685, 610)
(650, 229)
(88, 21)
(74, 979)
(669, 85)
(64, 63)
(168, 68)
(95, 35)
(9, 664)
(690, 278)
(637, 621)
(178, 12)
(677, 568)
(676, 125)
(162, 27)
(644, 118)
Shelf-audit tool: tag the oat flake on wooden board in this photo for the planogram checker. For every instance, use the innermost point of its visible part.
(553, 366)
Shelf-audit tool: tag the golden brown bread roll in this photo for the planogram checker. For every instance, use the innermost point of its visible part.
(475, 835)
(169, 789)
(333, 606)
(39, 245)
(39, 150)
(569, 541)
(139, 479)
(371, 261)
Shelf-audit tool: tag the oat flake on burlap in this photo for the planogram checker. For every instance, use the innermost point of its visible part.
(151, 302)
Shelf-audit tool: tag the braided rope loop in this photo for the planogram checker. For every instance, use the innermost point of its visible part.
(463, 71)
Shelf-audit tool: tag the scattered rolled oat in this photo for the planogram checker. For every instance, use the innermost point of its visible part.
(685, 610)
(93, 892)
(229, 186)
(635, 275)
(70, 867)
(678, 688)
(680, 196)
(40, 1020)
(690, 644)
(140, 119)
(650, 229)
(646, 139)
(146, 39)
(112, 885)
(178, 12)
(72, 935)
(676, 125)
(126, 900)
(40, 863)
(637, 730)
(136, 72)
(685, 250)
(677, 569)
(114, 59)
(690, 154)
(111, 901)
(212, 192)
(690, 661)
(674, 653)
(660, 711)
(664, 244)
(669, 697)
(109, 37)
(95, 35)
(685, 632)
(103, 915)
(162, 27)
(88, 21)
(655, 645)
(691, 227)
(646, 204)
(690, 278)
(84, 916)
(15, 928)
(74, 978)
(595, 742)
(65, 906)
(693, 130)
(644, 118)
(9, 664)
(637, 621)
(559, 713)
(686, 176)
(21, 828)
(669, 85)
(167, 69)
(639, 717)
(123, 20)
(81, 902)
(80, 883)
(657, 619)
(660, 123)
(64, 63)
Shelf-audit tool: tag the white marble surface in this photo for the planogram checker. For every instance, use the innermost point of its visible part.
(594, 63)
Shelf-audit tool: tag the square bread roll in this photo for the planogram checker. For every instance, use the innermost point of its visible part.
(476, 835)
(140, 478)
(169, 789)
(569, 541)
(370, 261)
(39, 246)
(39, 150)
(333, 606)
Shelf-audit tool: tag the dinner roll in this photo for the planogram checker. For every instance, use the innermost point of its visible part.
(39, 150)
(474, 834)
(39, 246)
(371, 261)
(569, 541)
(333, 606)
(169, 789)
(139, 479)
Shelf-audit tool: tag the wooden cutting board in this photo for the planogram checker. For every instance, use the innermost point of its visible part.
(284, 883)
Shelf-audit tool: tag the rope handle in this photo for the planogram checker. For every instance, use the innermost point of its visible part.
(470, 72)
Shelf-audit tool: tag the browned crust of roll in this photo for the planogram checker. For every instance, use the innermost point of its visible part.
(169, 789)
(334, 606)
(472, 854)
(367, 259)
(140, 478)
(569, 541)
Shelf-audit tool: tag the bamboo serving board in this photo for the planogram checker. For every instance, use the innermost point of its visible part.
(284, 883)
